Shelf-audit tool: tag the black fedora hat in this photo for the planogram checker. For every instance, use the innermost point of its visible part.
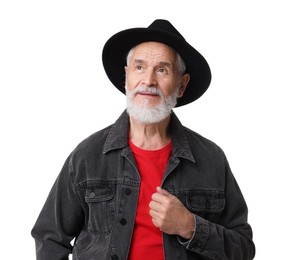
(117, 47)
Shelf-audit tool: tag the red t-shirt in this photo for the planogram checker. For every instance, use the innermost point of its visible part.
(147, 239)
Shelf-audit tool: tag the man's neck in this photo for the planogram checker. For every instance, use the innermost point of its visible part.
(149, 136)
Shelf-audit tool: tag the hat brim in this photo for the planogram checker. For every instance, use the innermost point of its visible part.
(117, 47)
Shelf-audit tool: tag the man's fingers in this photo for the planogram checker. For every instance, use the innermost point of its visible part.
(154, 205)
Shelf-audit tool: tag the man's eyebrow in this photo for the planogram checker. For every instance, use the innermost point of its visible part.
(139, 61)
(165, 63)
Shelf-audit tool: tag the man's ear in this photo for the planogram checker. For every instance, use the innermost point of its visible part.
(184, 82)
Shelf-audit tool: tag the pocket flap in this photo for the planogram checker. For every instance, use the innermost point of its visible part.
(206, 201)
(99, 192)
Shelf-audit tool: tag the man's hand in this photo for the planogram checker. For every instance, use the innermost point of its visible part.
(170, 215)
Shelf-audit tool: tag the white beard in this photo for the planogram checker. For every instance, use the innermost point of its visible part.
(146, 114)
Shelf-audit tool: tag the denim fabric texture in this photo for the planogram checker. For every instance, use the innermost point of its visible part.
(95, 196)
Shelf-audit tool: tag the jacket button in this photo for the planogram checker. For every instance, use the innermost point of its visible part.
(128, 191)
(92, 195)
(123, 221)
(114, 257)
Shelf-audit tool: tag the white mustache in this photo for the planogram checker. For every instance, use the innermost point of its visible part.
(151, 90)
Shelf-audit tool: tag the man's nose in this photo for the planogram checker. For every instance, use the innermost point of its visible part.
(149, 78)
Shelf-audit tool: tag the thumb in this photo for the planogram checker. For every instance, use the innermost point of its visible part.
(163, 192)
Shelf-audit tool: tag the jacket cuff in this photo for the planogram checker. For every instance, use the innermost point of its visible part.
(200, 236)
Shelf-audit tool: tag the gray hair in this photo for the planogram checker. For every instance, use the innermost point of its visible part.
(180, 62)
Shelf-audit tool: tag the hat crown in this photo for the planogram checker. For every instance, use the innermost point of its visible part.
(166, 26)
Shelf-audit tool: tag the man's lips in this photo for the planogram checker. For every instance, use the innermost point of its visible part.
(146, 93)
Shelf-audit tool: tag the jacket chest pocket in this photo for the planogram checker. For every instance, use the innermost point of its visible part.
(206, 203)
(101, 204)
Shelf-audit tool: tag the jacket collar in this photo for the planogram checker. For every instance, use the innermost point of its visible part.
(118, 137)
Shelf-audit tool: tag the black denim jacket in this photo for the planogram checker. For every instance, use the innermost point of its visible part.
(95, 196)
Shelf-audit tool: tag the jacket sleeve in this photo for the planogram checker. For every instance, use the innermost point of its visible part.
(231, 237)
(60, 219)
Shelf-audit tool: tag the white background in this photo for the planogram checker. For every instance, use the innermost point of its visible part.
(54, 93)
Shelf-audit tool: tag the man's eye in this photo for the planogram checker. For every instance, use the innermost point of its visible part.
(161, 70)
(139, 67)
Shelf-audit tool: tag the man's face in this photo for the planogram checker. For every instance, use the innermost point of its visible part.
(152, 64)
(153, 80)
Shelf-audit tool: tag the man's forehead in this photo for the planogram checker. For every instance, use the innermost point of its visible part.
(154, 51)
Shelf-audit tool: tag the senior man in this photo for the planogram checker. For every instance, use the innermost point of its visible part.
(147, 187)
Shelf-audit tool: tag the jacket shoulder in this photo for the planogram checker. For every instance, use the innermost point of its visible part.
(93, 142)
(203, 144)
